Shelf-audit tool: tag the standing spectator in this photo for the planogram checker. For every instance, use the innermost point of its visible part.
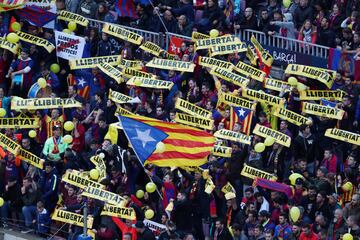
(143, 233)
(87, 8)
(12, 202)
(249, 20)
(335, 20)
(307, 32)
(303, 12)
(29, 197)
(49, 186)
(43, 220)
(307, 233)
(283, 229)
(325, 35)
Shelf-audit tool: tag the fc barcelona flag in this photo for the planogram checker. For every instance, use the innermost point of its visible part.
(7, 5)
(126, 8)
(36, 15)
(243, 116)
(166, 144)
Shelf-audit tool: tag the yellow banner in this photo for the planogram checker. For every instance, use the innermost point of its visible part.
(150, 83)
(192, 109)
(151, 48)
(111, 71)
(171, 65)
(232, 100)
(228, 188)
(19, 122)
(222, 151)
(102, 195)
(74, 178)
(209, 186)
(266, 57)
(291, 116)
(276, 85)
(279, 137)
(36, 40)
(122, 111)
(251, 55)
(198, 122)
(15, 149)
(322, 111)
(71, 218)
(229, 76)
(343, 135)
(72, 17)
(233, 136)
(100, 166)
(196, 36)
(43, 103)
(171, 56)
(131, 72)
(227, 49)
(118, 97)
(254, 173)
(213, 62)
(322, 94)
(325, 76)
(120, 212)
(210, 42)
(122, 33)
(248, 70)
(261, 96)
(93, 62)
(12, 47)
(135, 64)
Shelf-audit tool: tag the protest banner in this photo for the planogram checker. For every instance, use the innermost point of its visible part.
(69, 46)
(135, 64)
(120, 212)
(71, 218)
(131, 72)
(209, 186)
(322, 111)
(93, 62)
(291, 116)
(213, 62)
(122, 111)
(232, 100)
(192, 109)
(196, 36)
(111, 71)
(277, 85)
(73, 17)
(151, 48)
(250, 71)
(228, 188)
(118, 97)
(222, 151)
(76, 179)
(43, 103)
(12, 47)
(233, 136)
(227, 49)
(194, 121)
(150, 83)
(322, 94)
(230, 76)
(343, 135)
(155, 227)
(19, 122)
(254, 173)
(265, 56)
(122, 33)
(171, 65)
(36, 41)
(102, 195)
(261, 96)
(279, 137)
(207, 43)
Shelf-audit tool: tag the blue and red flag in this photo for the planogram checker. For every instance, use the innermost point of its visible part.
(345, 62)
(82, 83)
(126, 8)
(36, 15)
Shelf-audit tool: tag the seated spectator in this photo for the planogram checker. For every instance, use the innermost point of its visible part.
(307, 32)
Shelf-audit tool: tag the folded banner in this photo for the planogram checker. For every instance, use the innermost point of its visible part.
(102, 195)
(343, 135)
(261, 96)
(171, 65)
(135, 64)
(274, 186)
(211, 42)
(93, 62)
(266, 57)
(73, 17)
(248, 70)
(75, 178)
(232, 100)
(222, 151)
(43, 103)
(233, 136)
(229, 76)
(16, 149)
(198, 122)
(322, 94)
(228, 188)
(120, 212)
(196, 36)
(192, 109)
(36, 41)
(151, 48)
(118, 97)
(254, 173)
(100, 166)
(132, 72)
(111, 71)
(322, 111)
(291, 116)
(122, 33)
(19, 122)
(71, 218)
(12, 47)
(69, 46)
(251, 55)
(150, 83)
(279, 137)
(209, 186)
(227, 49)
(122, 111)
(325, 76)
(213, 62)
(276, 85)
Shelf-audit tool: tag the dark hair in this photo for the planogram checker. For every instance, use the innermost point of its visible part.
(284, 215)
(249, 189)
(302, 127)
(260, 227)
(258, 194)
(236, 226)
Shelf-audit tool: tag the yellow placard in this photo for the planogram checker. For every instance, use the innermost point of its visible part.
(232, 100)
(276, 85)
(192, 109)
(222, 151)
(19, 122)
(251, 55)
(12, 47)
(322, 94)
(73, 17)
(261, 96)
(196, 36)
(171, 56)
(122, 33)
(199, 122)
(102, 195)
(343, 135)
(71, 218)
(322, 111)
(131, 72)
(36, 40)
(279, 137)
(150, 83)
(266, 57)
(291, 116)
(254, 173)
(228, 188)
(230, 76)
(120, 212)
(213, 62)
(100, 166)
(209, 186)
(210, 42)
(92, 62)
(43, 103)
(248, 70)
(227, 49)
(151, 48)
(76, 179)
(171, 65)
(122, 111)
(111, 71)
(233, 136)
(118, 97)
(135, 64)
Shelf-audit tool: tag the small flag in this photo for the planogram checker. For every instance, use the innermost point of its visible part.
(82, 83)
(36, 15)
(126, 8)
(328, 103)
(243, 116)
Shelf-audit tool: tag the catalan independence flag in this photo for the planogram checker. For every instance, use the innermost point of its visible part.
(82, 83)
(243, 116)
(167, 144)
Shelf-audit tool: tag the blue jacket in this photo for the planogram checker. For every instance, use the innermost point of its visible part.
(357, 110)
(43, 221)
(49, 185)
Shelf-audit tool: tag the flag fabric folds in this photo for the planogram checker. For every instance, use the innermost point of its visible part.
(82, 83)
(328, 103)
(243, 116)
(8, 5)
(36, 15)
(126, 8)
(166, 144)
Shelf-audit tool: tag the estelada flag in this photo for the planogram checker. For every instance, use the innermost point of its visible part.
(166, 144)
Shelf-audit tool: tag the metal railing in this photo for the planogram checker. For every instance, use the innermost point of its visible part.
(169, 35)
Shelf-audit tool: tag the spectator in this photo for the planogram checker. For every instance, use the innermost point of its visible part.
(307, 32)
(249, 21)
(302, 13)
(143, 232)
(325, 35)
(307, 233)
(43, 220)
(283, 230)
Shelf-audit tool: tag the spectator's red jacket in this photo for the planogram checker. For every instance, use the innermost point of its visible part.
(331, 164)
(312, 236)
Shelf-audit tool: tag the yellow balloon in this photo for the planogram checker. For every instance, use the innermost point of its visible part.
(286, 3)
(2, 112)
(69, 126)
(94, 174)
(55, 68)
(348, 236)
(214, 33)
(1, 201)
(41, 82)
(16, 26)
(32, 133)
(301, 87)
(269, 141)
(137, 82)
(160, 147)
(139, 193)
(294, 214)
(72, 26)
(293, 177)
(292, 81)
(150, 187)
(12, 37)
(347, 186)
(67, 139)
(149, 214)
(259, 147)
(68, 31)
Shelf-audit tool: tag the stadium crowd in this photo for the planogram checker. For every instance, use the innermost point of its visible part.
(327, 209)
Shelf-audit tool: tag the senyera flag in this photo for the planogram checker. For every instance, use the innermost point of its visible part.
(166, 144)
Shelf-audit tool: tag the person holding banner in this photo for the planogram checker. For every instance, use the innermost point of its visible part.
(54, 146)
